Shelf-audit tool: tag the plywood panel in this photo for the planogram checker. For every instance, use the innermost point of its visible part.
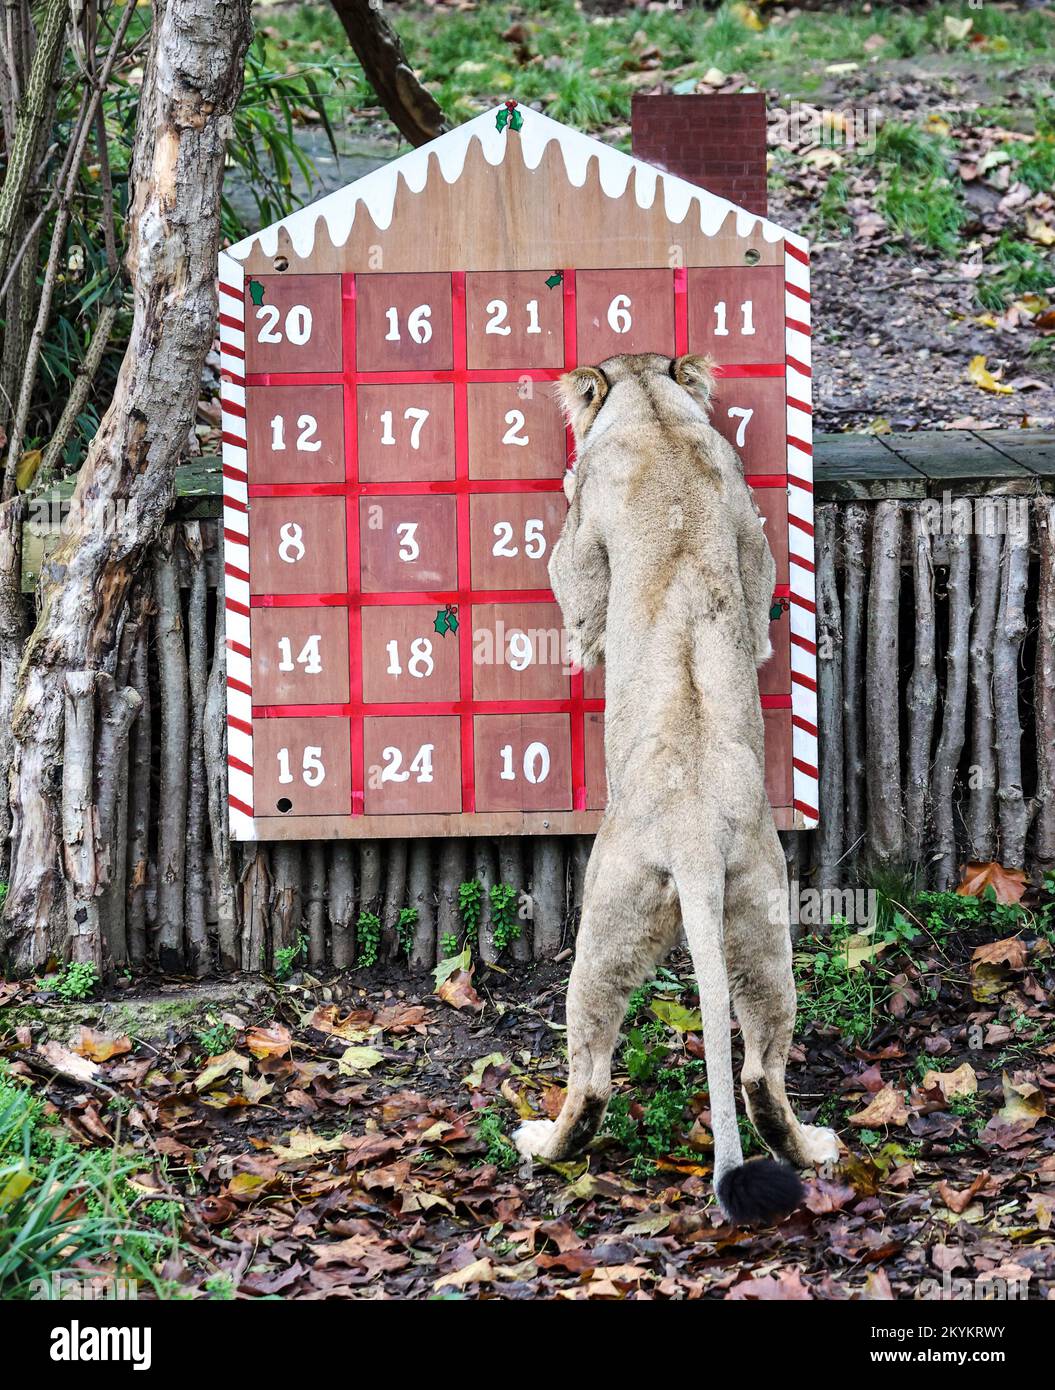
(514, 320)
(519, 652)
(405, 433)
(512, 537)
(523, 762)
(413, 765)
(300, 656)
(293, 323)
(297, 545)
(515, 430)
(295, 432)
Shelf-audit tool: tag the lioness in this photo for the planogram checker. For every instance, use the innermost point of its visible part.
(663, 571)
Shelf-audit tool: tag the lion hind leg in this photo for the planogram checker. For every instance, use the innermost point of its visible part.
(629, 923)
(758, 943)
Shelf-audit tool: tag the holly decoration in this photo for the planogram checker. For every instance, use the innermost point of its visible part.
(780, 605)
(446, 620)
(557, 278)
(509, 116)
(256, 291)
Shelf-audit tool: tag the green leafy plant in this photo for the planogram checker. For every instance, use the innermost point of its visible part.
(500, 1149)
(833, 990)
(505, 926)
(470, 908)
(216, 1039)
(408, 920)
(368, 934)
(449, 943)
(286, 957)
(77, 980)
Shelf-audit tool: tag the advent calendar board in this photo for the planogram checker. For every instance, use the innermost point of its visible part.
(393, 457)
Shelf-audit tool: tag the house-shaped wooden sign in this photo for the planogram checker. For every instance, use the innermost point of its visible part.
(393, 455)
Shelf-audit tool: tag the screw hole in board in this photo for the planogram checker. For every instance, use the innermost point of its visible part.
(751, 256)
(284, 804)
(281, 264)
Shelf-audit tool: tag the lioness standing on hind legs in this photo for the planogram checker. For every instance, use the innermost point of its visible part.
(663, 572)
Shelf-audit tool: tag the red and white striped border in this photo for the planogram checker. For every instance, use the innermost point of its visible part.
(236, 550)
(803, 614)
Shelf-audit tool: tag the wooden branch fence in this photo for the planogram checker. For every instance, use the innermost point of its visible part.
(936, 636)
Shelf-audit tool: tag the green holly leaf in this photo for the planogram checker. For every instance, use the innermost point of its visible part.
(452, 622)
(502, 119)
(256, 291)
(775, 612)
(440, 623)
(516, 121)
(557, 278)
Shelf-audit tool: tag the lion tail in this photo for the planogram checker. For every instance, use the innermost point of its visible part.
(762, 1190)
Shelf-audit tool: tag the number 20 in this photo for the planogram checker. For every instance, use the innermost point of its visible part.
(298, 324)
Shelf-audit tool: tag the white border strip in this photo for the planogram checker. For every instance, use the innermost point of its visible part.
(805, 786)
(236, 552)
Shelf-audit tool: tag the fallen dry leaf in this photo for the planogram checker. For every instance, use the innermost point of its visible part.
(984, 379)
(98, 1047)
(887, 1107)
(953, 1084)
(1007, 884)
(959, 1201)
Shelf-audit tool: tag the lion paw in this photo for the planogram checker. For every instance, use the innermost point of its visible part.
(821, 1145)
(532, 1137)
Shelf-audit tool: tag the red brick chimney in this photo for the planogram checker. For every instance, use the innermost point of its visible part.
(717, 142)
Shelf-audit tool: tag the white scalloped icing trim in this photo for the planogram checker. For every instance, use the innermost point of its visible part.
(377, 191)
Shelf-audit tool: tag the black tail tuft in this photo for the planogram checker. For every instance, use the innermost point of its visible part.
(759, 1192)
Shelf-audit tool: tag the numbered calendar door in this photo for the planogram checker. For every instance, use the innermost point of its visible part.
(302, 766)
(413, 765)
(297, 545)
(624, 311)
(293, 323)
(523, 762)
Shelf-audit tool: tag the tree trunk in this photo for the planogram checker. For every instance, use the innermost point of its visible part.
(172, 792)
(1010, 632)
(342, 905)
(981, 806)
(954, 713)
(411, 107)
(193, 77)
(855, 523)
(829, 700)
(922, 694)
(547, 901)
(420, 896)
(885, 825)
(1044, 686)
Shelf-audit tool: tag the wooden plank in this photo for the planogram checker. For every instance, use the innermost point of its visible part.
(495, 823)
(1033, 449)
(956, 456)
(860, 467)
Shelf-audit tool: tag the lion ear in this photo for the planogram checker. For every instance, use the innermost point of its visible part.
(696, 374)
(581, 394)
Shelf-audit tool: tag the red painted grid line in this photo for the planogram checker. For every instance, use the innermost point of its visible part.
(681, 312)
(588, 704)
(452, 487)
(356, 741)
(473, 374)
(459, 334)
(578, 680)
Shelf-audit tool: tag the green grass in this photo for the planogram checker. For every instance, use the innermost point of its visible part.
(581, 67)
(67, 1212)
